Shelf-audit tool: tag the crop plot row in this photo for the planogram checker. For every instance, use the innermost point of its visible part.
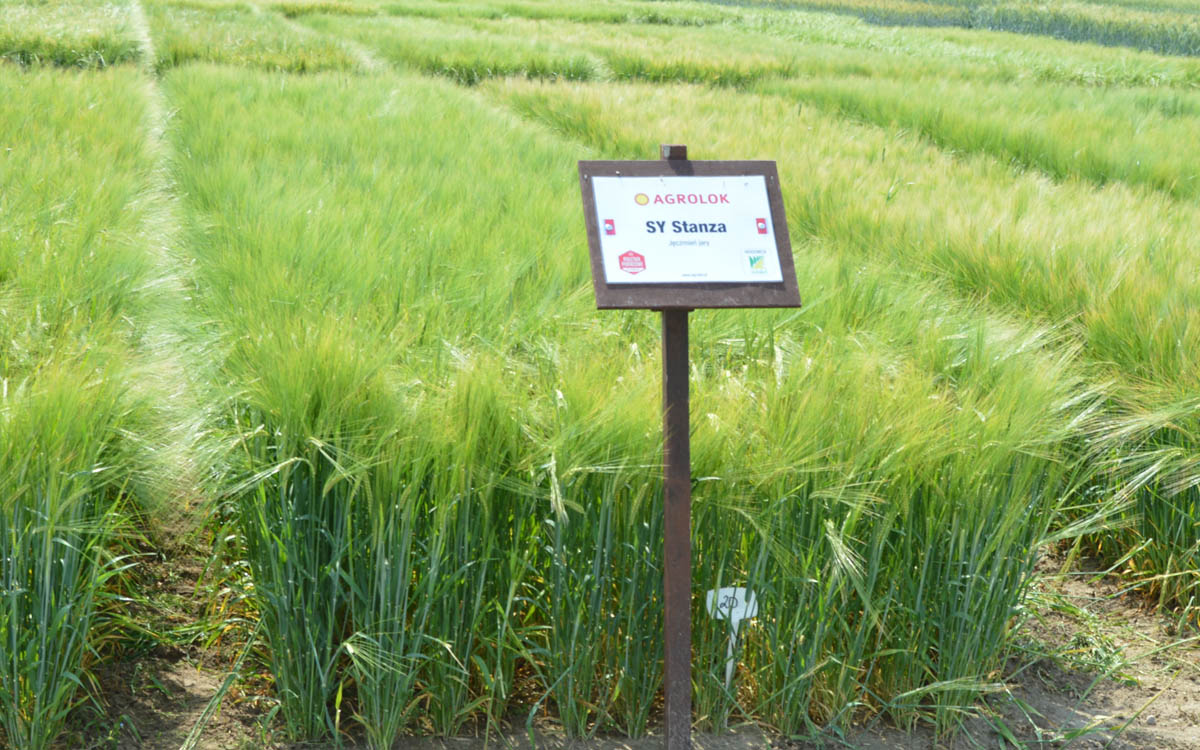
(1028, 247)
(237, 34)
(1165, 29)
(69, 34)
(374, 412)
(472, 43)
(78, 438)
(1129, 136)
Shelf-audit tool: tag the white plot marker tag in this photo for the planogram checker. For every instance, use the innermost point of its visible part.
(735, 604)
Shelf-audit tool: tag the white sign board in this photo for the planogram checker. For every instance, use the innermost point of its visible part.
(686, 230)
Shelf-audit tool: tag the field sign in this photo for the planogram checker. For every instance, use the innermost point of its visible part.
(680, 234)
(674, 235)
(733, 603)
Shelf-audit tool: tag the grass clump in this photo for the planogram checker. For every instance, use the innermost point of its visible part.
(67, 34)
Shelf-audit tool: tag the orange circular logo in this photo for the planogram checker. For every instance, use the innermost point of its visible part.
(641, 199)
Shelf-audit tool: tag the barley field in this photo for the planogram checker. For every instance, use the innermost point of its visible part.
(300, 291)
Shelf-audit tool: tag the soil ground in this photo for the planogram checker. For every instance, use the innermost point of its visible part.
(1094, 668)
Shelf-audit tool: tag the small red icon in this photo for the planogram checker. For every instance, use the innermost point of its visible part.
(632, 262)
(609, 227)
(762, 226)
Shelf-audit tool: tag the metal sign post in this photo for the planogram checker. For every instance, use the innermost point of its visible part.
(674, 235)
(677, 531)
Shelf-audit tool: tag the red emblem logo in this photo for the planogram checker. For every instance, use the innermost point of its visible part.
(632, 262)
(609, 227)
(762, 225)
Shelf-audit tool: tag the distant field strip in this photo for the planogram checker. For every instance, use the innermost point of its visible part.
(237, 34)
(1062, 129)
(1161, 29)
(1101, 135)
(67, 34)
(728, 50)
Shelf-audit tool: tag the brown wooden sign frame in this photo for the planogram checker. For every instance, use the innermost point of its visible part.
(689, 296)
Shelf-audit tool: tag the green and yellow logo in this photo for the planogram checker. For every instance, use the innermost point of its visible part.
(758, 263)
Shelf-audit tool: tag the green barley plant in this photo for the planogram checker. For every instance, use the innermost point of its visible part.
(1107, 331)
(297, 9)
(463, 53)
(61, 465)
(1163, 30)
(1061, 130)
(917, 13)
(67, 34)
(446, 10)
(428, 450)
(445, 464)
(616, 12)
(976, 54)
(77, 427)
(238, 35)
(788, 41)
(1154, 534)
(883, 190)
(1167, 33)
